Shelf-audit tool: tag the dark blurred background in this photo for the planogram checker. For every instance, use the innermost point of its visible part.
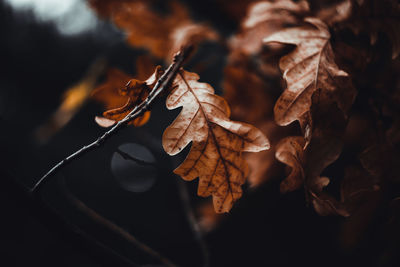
(49, 46)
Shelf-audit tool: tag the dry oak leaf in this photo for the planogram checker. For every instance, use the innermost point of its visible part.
(250, 105)
(264, 18)
(356, 191)
(143, 26)
(161, 34)
(324, 203)
(310, 66)
(290, 152)
(107, 93)
(217, 142)
(336, 12)
(129, 96)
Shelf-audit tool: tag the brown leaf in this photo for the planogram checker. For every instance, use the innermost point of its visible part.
(161, 34)
(307, 163)
(112, 93)
(146, 28)
(264, 18)
(248, 94)
(324, 148)
(326, 143)
(217, 142)
(308, 67)
(144, 66)
(335, 13)
(357, 189)
(325, 204)
(190, 33)
(290, 151)
(108, 92)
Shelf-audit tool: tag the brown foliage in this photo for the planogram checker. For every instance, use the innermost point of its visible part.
(217, 142)
(162, 35)
(312, 83)
(320, 78)
(251, 86)
(319, 94)
(264, 18)
(335, 13)
(120, 95)
(307, 68)
(290, 151)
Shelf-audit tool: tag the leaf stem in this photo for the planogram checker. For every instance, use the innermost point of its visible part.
(162, 84)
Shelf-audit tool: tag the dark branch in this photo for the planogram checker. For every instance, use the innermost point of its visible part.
(138, 161)
(162, 84)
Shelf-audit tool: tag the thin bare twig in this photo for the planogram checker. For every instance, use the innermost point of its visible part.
(162, 84)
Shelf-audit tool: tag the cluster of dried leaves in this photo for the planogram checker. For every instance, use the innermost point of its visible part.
(326, 51)
(319, 78)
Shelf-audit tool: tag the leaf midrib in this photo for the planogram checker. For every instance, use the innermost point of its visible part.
(213, 136)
